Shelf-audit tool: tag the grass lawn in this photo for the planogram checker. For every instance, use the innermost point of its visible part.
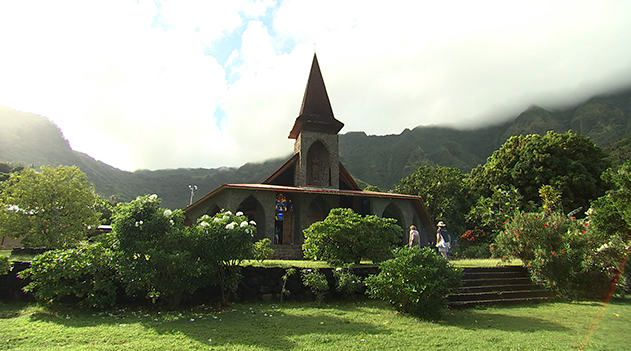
(365, 325)
(309, 263)
(491, 262)
(18, 257)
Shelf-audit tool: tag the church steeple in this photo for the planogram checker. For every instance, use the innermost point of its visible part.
(316, 113)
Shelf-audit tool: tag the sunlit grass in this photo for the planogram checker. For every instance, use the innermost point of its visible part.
(364, 325)
(16, 257)
(489, 262)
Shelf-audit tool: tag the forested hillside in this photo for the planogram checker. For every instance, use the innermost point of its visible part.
(30, 139)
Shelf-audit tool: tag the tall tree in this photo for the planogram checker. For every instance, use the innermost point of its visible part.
(52, 208)
(444, 192)
(571, 163)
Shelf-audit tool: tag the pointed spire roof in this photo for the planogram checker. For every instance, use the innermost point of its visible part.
(316, 113)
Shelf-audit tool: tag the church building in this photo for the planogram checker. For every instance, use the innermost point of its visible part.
(309, 184)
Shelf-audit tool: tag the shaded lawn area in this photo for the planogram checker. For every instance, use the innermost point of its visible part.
(362, 325)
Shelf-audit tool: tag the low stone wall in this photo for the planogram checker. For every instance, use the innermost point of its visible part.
(258, 284)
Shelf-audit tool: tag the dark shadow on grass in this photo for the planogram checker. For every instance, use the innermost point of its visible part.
(480, 319)
(11, 310)
(260, 325)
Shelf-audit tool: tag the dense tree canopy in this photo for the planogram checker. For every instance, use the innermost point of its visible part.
(52, 208)
(345, 237)
(444, 193)
(570, 163)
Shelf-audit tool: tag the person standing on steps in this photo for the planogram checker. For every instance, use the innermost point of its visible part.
(442, 245)
(415, 237)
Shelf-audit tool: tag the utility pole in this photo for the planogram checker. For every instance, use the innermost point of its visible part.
(193, 189)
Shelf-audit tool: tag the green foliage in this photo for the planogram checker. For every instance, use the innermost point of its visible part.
(489, 212)
(444, 192)
(569, 162)
(155, 250)
(347, 282)
(262, 249)
(345, 237)
(52, 208)
(316, 282)
(88, 272)
(475, 251)
(415, 281)
(610, 228)
(558, 252)
(5, 265)
(284, 291)
(224, 241)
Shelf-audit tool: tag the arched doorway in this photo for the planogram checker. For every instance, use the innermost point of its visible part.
(213, 210)
(317, 210)
(393, 211)
(283, 220)
(252, 209)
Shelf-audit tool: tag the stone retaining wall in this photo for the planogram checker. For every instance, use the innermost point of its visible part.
(258, 284)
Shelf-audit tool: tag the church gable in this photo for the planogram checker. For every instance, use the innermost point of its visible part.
(285, 174)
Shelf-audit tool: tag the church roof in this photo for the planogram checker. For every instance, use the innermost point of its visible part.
(316, 113)
(293, 189)
(284, 175)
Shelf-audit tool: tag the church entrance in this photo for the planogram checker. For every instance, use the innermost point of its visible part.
(284, 221)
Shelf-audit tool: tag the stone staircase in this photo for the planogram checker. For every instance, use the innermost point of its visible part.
(495, 285)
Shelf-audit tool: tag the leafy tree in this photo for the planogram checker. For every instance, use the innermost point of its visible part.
(6, 169)
(5, 265)
(154, 250)
(490, 212)
(610, 225)
(415, 281)
(88, 272)
(444, 191)
(570, 163)
(345, 237)
(52, 208)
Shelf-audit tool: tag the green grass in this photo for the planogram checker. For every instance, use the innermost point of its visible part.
(313, 264)
(477, 262)
(14, 257)
(319, 264)
(365, 325)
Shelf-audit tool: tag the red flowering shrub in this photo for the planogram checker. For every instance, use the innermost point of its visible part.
(556, 250)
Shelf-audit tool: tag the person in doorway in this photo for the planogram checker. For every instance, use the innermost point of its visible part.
(415, 237)
(442, 245)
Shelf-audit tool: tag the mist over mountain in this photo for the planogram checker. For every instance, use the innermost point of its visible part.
(33, 140)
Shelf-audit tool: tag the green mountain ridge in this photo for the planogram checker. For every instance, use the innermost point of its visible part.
(30, 139)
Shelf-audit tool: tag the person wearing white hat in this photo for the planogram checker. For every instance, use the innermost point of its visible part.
(442, 245)
(415, 237)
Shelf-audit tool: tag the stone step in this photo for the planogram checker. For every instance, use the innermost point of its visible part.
(487, 288)
(492, 274)
(499, 295)
(495, 281)
(493, 285)
(470, 303)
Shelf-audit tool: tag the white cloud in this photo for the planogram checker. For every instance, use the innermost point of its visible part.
(129, 83)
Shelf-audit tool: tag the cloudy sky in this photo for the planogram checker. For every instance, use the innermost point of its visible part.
(197, 83)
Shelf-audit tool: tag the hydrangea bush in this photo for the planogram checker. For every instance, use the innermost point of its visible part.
(224, 241)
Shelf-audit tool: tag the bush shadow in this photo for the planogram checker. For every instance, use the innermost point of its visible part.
(473, 319)
(263, 326)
